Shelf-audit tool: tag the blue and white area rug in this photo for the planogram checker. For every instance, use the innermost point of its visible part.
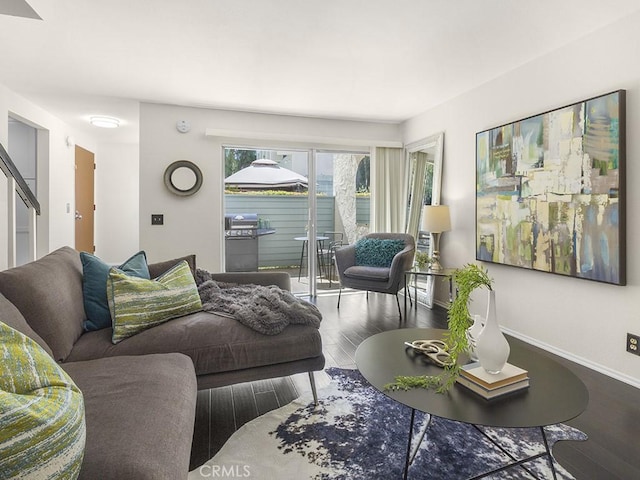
(358, 433)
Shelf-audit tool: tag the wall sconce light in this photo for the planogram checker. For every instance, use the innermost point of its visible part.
(104, 122)
(435, 220)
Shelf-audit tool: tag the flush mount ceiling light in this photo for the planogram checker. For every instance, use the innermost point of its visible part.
(104, 122)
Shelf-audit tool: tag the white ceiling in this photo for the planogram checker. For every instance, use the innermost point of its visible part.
(378, 60)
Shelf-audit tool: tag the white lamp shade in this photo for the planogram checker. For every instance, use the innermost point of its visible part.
(436, 219)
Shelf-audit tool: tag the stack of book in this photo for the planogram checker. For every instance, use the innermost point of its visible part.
(477, 379)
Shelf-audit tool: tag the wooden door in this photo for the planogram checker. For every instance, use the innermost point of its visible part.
(85, 207)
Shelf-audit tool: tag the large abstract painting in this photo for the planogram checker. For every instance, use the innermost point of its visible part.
(550, 191)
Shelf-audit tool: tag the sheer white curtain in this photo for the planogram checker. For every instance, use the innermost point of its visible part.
(417, 189)
(389, 190)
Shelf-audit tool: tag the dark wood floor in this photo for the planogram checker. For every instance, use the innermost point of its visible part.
(612, 419)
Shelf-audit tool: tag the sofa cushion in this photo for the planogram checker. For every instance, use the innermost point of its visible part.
(377, 252)
(55, 281)
(95, 273)
(137, 304)
(214, 343)
(158, 268)
(139, 413)
(42, 422)
(10, 315)
(368, 273)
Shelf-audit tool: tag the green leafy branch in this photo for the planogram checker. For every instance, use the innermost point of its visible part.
(403, 382)
(466, 280)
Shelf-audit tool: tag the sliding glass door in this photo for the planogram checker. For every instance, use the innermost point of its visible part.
(304, 204)
(270, 188)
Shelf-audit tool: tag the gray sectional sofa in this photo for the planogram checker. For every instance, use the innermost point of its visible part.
(140, 394)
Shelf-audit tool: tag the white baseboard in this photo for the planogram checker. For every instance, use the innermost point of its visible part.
(442, 304)
(574, 358)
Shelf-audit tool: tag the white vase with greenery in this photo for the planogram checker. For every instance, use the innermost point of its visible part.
(466, 279)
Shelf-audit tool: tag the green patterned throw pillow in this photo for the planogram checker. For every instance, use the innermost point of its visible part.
(137, 304)
(42, 423)
(377, 252)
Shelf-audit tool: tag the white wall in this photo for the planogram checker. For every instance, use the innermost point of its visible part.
(581, 319)
(56, 173)
(194, 224)
(117, 178)
(116, 185)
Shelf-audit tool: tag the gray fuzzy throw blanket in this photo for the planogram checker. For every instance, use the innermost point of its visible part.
(267, 310)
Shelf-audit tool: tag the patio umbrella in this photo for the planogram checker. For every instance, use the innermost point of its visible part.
(264, 174)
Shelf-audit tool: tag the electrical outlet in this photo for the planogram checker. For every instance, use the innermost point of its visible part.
(157, 219)
(633, 343)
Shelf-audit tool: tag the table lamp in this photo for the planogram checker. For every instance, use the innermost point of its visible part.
(435, 220)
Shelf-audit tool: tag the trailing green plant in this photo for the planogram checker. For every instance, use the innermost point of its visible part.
(466, 280)
(403, 382)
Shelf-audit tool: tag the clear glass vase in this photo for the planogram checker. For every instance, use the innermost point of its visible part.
(492, 347)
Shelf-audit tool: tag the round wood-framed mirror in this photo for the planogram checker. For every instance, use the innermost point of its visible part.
(183, 178)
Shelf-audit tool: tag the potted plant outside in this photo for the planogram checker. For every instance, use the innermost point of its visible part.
(423, 260)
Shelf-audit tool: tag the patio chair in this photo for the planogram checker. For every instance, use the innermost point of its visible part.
(376, 263)
(327, 252)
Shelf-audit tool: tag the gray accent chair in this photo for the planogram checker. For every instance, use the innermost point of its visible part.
(375, 279)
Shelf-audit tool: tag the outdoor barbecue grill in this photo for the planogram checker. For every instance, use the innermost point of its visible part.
(241, 242)
(241, 235)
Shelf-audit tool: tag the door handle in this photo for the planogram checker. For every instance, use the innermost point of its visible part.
(78, 215)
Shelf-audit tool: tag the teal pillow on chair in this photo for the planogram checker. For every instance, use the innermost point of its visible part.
(42, 419)
(377, 252)
(137, 304)
(95, 273)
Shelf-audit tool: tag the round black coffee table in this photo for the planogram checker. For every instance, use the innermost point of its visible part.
(555, 393)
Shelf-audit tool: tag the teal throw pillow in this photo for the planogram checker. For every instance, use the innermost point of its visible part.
(42, 418)
(94, 286)
(377, 252)
(137, 304)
